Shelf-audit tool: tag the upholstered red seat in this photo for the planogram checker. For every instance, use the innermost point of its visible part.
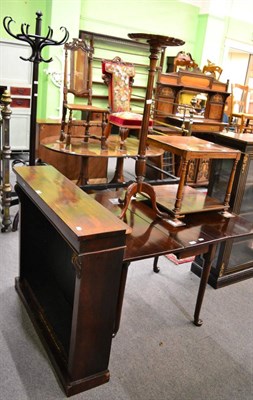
(127, 119)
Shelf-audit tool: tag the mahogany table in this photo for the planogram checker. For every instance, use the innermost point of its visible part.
(189, 148)
(74, 256)
(114, 148)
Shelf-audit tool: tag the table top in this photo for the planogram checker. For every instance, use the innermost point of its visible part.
(243, 114)
(152, 236)
(238, 137)
(194, 200)
(92, 148)
(190, 147)
(79, 216)
(157, 39)
(73, 211)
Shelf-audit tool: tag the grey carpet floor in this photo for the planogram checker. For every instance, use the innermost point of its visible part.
(158, 354)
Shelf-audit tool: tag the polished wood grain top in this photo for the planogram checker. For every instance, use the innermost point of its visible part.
(148, 237)
(152, 236)
(155, 39)
(192, 147)
(80, 217)
(66, 204)
(194, 200)
(240, 137)
(92, 148)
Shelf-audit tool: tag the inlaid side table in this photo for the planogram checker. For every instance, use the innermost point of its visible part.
(176, 199)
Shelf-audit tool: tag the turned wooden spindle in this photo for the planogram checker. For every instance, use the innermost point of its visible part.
(157, 44)
(6, 155)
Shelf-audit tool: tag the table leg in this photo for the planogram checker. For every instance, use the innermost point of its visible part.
(84, 172)
(180, 190)
(156, 269)
(118, 175)
(208, 257)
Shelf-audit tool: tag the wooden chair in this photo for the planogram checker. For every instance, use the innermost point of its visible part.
(239, 117)
(119, 76)
(184, 61)
(212, 70)
(78, 82)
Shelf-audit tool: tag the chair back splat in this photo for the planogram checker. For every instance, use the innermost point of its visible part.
(240, 119)
(213, 70)
(118, 75)
(184, 61)
(78, 82)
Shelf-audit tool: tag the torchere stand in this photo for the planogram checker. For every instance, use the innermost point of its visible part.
(157, 43)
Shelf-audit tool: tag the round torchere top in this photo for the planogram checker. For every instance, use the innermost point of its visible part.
(158, 40)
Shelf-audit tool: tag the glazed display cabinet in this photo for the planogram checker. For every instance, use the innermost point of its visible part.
(234, 258)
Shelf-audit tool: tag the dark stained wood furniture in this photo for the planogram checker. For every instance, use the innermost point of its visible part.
(74, 256)
(173, 90)
(92, 149)
(233, 261)
(107, 47)
(78, 82)
(157, 44)
(71, 255)
(184, 61)
(118, 75)
(69, 166)
(190, 148)
(170, 88)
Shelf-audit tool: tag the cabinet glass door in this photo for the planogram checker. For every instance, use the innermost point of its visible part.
(247, 202)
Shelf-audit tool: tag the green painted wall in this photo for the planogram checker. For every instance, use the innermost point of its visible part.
(200, 37)
(50, 95)
(55, 16)
(23, 11)
(120, 17)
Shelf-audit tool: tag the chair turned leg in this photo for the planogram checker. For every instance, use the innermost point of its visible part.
(69, 131)
(103, 135)
(107, 130)
(87, 127)
(63, 125)
(123, 135)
